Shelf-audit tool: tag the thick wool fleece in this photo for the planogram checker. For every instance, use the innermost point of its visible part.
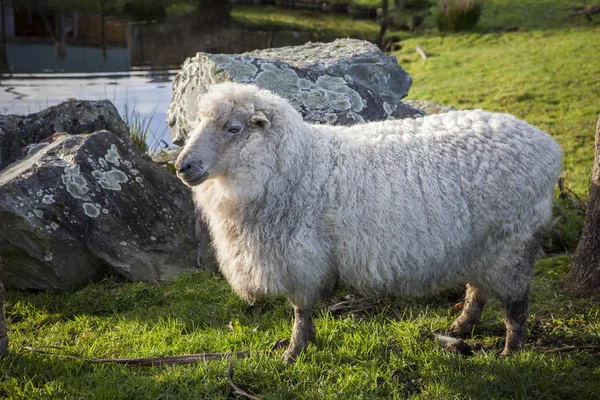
(402, 207)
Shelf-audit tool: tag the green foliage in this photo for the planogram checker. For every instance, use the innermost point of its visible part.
(321, 24)
(138, 127)
(415, 4)
(458, 15)
(543, 77)
(385, 352)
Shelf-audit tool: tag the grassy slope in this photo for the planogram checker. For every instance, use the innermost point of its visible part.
(548, 78)
(324, 24)
(544, 76)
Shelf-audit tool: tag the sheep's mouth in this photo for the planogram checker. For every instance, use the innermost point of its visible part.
(194, 181)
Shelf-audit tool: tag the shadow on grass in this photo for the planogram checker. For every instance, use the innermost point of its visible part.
(197, 300)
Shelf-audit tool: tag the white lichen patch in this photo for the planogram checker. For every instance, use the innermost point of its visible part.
(103, 163)
(91, 210)
(113, 156)
(134, 171)
(389, 109)
(139, 180)
(48, 257)
(242, 70)
(54, 225)
(111, 179)
(324, 98)
(48, 199)
(38, 213)
(75, 183)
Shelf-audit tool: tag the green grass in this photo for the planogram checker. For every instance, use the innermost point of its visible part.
(321, 24)
(388, 352)
(546, 77)
(549, 78)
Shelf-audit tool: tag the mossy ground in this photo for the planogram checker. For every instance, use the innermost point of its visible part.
(547, 73)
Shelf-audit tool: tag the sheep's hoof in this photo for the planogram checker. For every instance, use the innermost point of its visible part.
(505, 353)
(289, 356)
(292, 352)
(460, 328)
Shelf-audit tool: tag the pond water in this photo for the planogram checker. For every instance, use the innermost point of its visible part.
(125, 54)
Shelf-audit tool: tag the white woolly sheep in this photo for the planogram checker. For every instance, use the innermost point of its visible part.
(401, 208)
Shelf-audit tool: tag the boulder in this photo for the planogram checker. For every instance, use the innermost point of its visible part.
(343, 82)
(21, 133)
(89, 204)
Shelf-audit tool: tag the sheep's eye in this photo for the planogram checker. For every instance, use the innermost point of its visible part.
(235, 129)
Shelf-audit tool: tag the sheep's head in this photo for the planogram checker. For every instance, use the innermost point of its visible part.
(229, 115)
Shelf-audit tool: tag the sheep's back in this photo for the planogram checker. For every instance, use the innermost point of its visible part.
(416, 205)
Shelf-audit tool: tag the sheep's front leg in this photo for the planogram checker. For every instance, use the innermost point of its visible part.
(303, 333)
(472, 309)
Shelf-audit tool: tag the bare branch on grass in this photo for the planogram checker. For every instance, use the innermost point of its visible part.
(145, 361)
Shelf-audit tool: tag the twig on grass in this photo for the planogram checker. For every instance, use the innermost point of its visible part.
(146, 361)
(571, 348)
(236, 389)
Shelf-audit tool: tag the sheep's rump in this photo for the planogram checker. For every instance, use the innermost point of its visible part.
(422, 204)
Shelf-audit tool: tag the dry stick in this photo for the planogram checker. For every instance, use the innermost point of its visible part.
(238, 390)
(571, 348)
(148, 361)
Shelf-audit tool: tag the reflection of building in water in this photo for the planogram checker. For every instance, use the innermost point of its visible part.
(53, 39)
(50, 39)
(168, 43)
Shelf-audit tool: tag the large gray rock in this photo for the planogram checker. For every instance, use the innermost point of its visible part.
(17, 132)
(87, 204)
(343, 82)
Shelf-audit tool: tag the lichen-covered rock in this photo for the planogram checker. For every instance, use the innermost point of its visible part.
(343, 82)
(20, 133)
(87, 204)
(3, 327)
(429, 107)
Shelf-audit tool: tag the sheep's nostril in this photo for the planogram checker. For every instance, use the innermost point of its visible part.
(183, 166)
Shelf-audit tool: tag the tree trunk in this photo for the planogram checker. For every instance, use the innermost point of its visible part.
(584, 276)
(384, 21)
(3, 327)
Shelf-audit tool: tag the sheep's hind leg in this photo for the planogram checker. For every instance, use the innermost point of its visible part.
(515, 318)
(471, 312)
(303, 333)
(516, 305)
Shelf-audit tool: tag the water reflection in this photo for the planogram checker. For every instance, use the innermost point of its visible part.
(49, 49)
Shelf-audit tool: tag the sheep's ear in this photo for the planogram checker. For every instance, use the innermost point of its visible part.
(260, 119)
